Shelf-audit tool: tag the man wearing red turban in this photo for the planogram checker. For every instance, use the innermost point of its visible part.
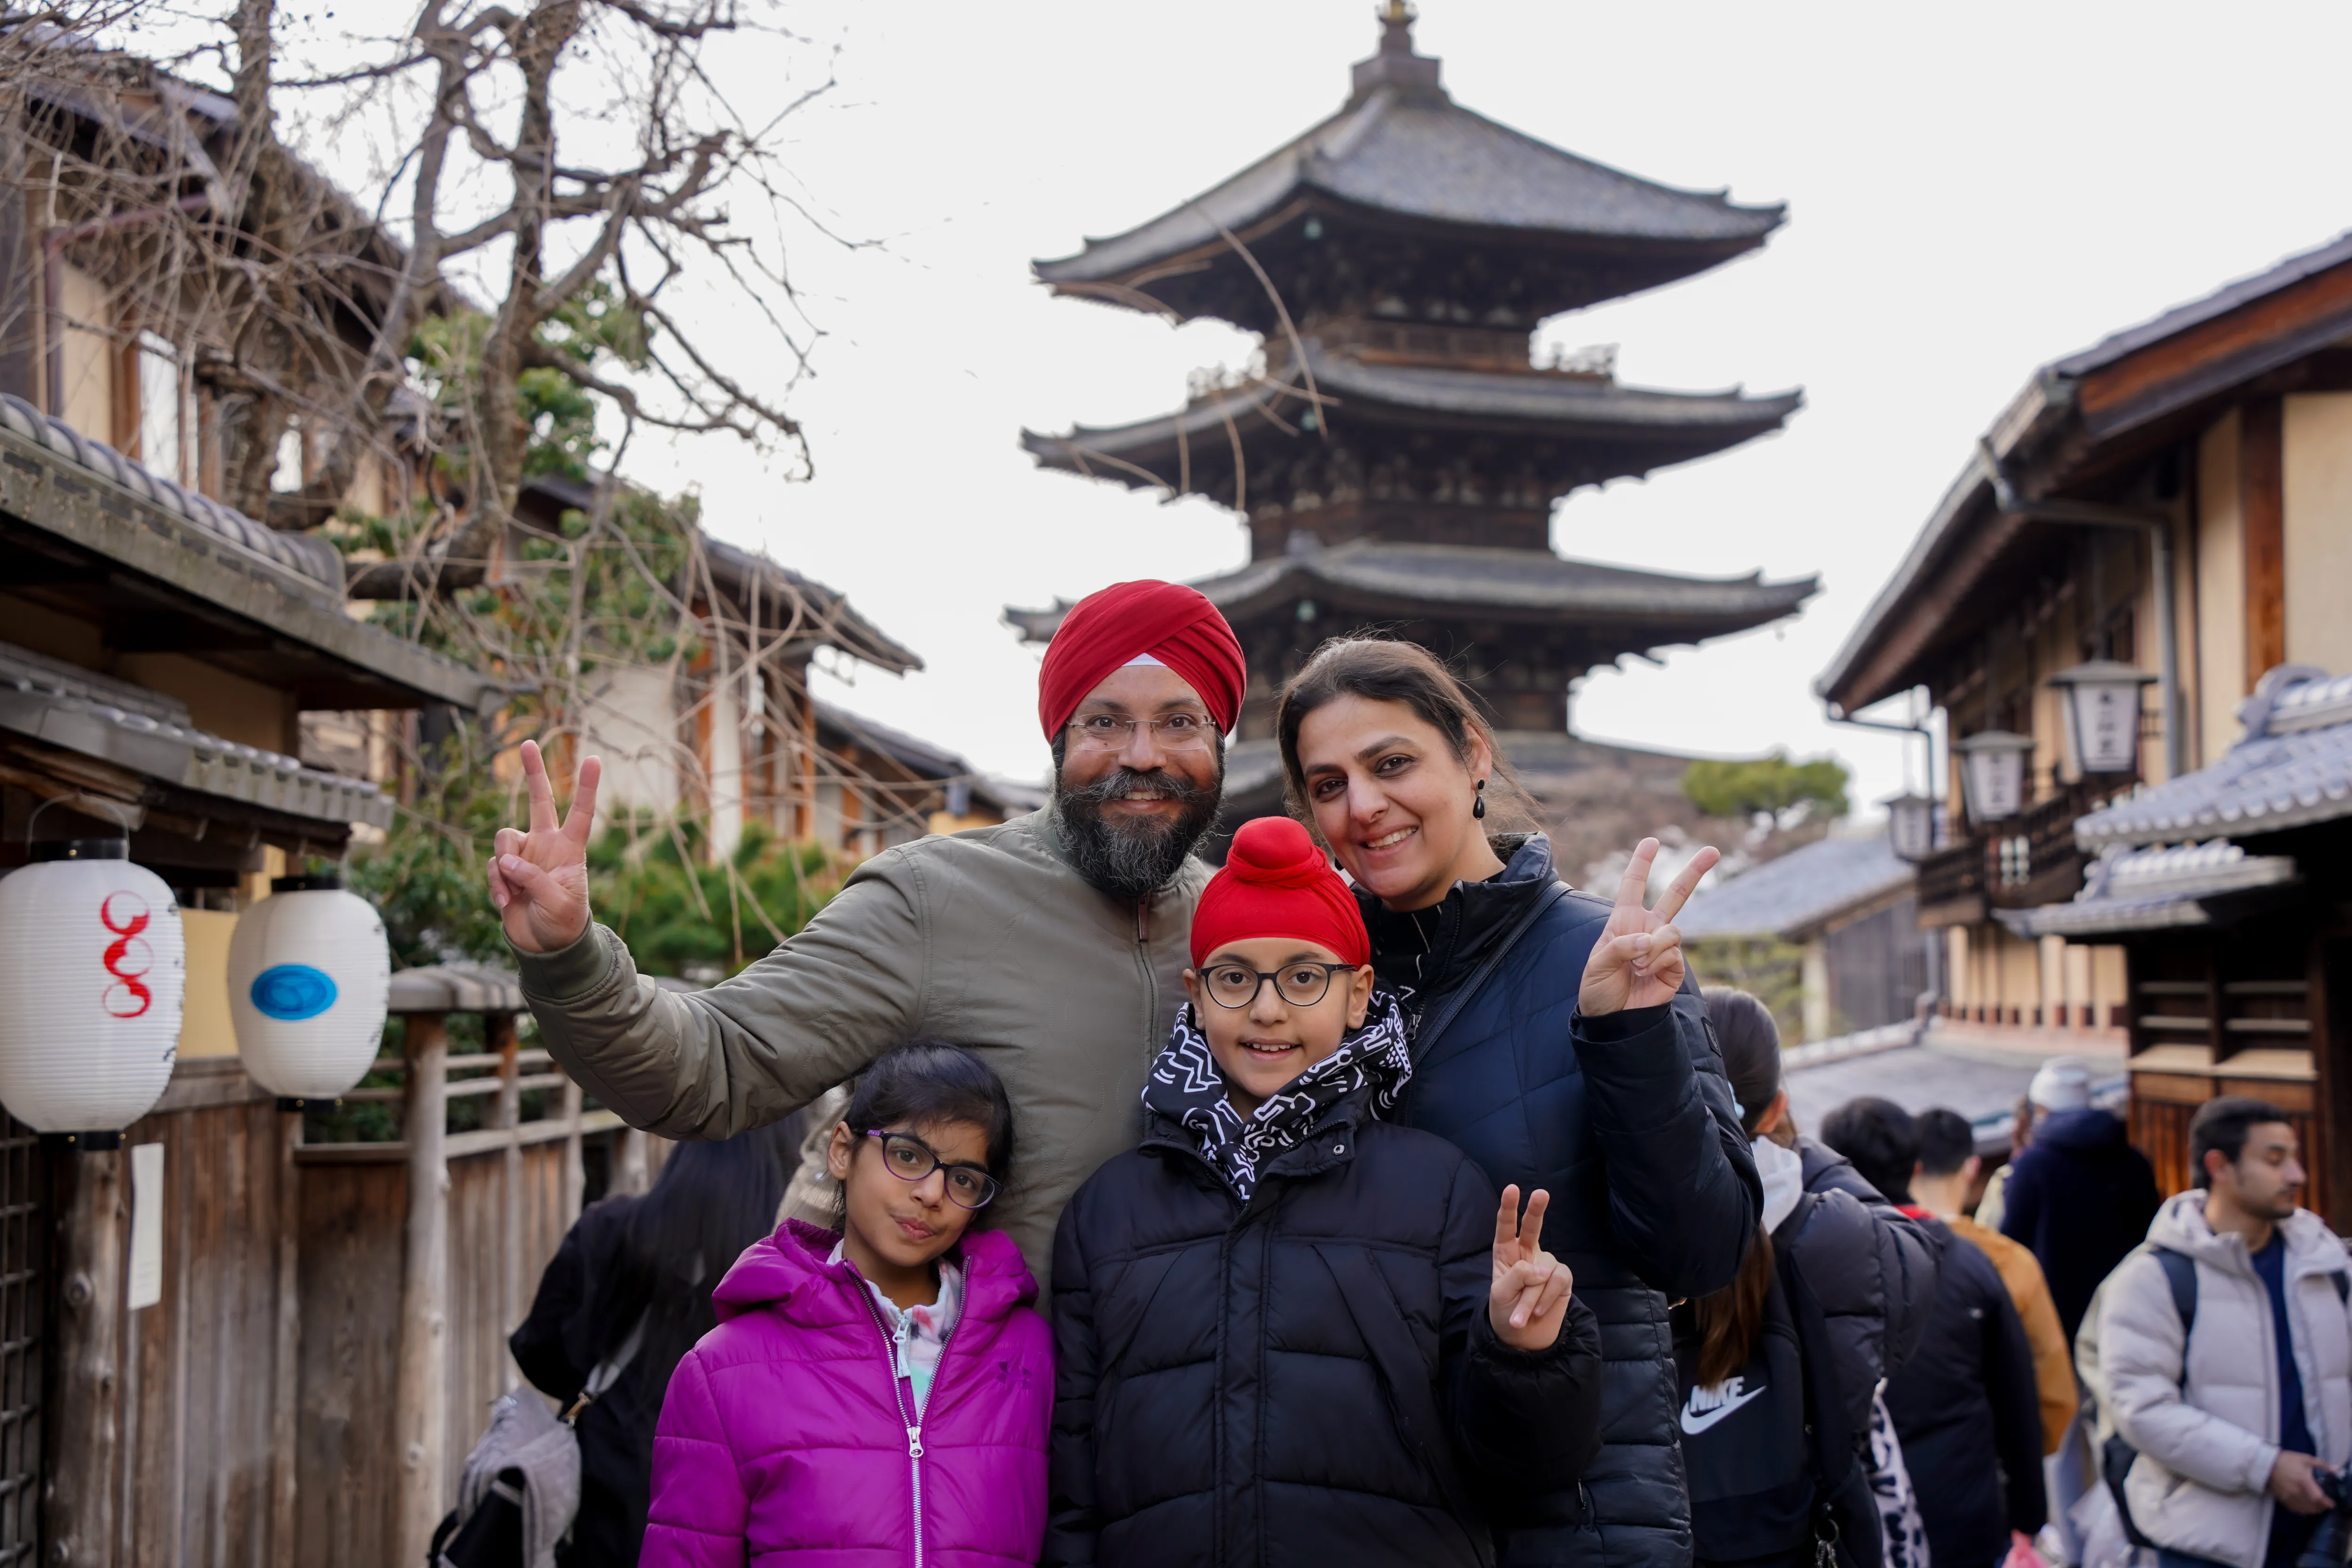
(1053, 944)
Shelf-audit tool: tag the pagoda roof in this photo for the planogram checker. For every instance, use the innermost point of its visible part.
(1403, 152)
(1387, 581)
(1636, 429)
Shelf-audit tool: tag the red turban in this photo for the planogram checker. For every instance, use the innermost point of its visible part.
(1173, 624)
(1277, 883)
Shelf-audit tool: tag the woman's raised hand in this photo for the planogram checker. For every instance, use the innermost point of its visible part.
(1638, 960)
(539, 879)
(1530, 1299)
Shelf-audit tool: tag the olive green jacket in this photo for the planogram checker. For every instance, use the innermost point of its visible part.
(987, 939)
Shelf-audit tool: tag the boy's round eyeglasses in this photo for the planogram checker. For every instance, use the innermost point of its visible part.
(909, 1159)
(1170, 732)
(1301, 985)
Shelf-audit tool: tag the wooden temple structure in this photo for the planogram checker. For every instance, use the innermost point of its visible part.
(1397, 459)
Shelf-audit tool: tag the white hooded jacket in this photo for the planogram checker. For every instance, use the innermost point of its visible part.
(2201, 1483)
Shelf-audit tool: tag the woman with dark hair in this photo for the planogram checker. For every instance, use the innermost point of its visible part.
(1557, 1041)
(1829, 1302)
(629, 1293)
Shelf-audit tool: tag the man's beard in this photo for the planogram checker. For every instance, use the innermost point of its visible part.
(1134, 859)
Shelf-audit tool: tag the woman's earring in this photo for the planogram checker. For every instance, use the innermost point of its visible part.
(1479, 805)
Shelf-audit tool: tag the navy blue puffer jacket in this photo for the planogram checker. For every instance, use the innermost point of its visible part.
(1629, 1123)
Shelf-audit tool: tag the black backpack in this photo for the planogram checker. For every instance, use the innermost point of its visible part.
(1768, 1457)
(2117, 1454)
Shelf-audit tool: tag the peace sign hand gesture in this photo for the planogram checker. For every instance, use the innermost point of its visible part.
(539, 879)
(1530, 1299)
(1638, 960)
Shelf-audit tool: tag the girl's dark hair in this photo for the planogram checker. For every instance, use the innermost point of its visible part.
(931, 1080)
(1381, 670)
(1730, 1320)
(709, 1203)
(1750, 1043)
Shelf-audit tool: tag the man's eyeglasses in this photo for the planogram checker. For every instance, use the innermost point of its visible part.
(1301, 985)
(910, 1159)
(1170, 732)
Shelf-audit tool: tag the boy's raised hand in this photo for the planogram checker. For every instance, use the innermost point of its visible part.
(1530, 1299)
(539, 879)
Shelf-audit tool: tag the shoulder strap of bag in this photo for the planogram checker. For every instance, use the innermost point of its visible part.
(608, 1372)
(1436, 1023)
(2181, 1275)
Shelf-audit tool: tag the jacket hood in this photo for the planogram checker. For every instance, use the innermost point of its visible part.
(788, 1272)
(2087, 1129)
(2181, 1225)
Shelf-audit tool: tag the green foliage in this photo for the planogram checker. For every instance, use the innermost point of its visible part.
(428, 876)
(1769, 969)
(1769, 785)
(683, 916)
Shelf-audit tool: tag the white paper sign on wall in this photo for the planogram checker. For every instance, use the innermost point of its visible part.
(146, 1270)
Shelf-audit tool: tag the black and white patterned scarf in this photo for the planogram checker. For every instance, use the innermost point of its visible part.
(1186, 1087)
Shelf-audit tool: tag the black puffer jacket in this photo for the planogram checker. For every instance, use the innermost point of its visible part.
(1626, 1120)
(1966, 1411)
(1309, 1378)
(1872, 1268)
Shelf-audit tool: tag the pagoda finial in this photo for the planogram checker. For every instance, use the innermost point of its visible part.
(1396, 62)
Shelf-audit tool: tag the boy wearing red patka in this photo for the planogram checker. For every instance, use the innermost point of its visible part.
(1288, 1330)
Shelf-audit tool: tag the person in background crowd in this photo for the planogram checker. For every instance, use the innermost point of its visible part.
(1559, 1042)
(1965, 1404)
(629, 1291)
(1947, 1168)
(882, 1392)
(1793, 1350)
(1993, 1203)
(2233, 1418)
(1052, 944)
(2081, 1196)
(1289, 1330)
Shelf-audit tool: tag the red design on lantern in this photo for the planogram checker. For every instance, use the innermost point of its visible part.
(127, 997)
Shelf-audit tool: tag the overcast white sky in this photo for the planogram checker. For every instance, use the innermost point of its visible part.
(1973, 190)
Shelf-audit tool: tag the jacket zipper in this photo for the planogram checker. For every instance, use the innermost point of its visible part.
(1151, 1043)
(893, 1356)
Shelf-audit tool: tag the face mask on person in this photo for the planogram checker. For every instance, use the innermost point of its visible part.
(1782, 1172)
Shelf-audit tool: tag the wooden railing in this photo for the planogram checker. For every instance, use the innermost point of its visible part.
(2020, 864)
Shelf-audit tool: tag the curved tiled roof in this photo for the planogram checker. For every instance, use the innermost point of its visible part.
(304, 555)
(2292, 768)
(1534, 584)
(1418, 154)
(1787, 894)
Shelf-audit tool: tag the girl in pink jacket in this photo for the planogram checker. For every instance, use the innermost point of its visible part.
(882, 1393)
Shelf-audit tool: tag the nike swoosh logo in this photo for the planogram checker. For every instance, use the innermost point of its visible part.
(1693, 1425)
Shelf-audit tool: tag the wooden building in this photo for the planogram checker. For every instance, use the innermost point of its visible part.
(2179, 499)
(1397, 458)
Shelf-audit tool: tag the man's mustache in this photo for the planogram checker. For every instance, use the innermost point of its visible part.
(1120, 783)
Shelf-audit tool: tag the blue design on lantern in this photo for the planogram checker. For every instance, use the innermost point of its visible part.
(293, 992)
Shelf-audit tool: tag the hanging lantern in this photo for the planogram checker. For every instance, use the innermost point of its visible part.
(1992, 773)
(2102, 700)
(1911, 827)
(308, 976)
(97, 972)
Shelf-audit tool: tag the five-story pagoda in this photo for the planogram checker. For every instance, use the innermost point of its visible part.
(1398, 457)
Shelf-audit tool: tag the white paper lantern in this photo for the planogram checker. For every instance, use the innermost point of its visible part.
(309, 976)
(2102, 700)
(1911, 827)
(1992, 773)
(97, 974)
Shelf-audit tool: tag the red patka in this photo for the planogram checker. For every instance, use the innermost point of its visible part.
(1275, 883)
(1109, 628)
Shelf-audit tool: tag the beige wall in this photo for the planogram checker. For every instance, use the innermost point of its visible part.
(229, 705)
(2221, 567)
(90, 353)
(2319, 531)
(632, 724)
(726, 764)
(206, 1028)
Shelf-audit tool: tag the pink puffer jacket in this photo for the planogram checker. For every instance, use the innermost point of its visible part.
(781, 1440)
